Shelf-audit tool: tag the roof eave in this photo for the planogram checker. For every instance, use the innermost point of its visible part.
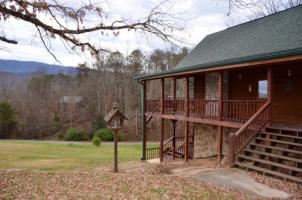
(221, 64)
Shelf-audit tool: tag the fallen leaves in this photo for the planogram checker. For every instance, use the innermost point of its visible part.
(145, 182)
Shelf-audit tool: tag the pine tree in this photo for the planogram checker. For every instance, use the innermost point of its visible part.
(7, 119)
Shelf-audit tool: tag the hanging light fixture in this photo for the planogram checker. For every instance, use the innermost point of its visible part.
(250, 88)
(289, 73)
(239, 76)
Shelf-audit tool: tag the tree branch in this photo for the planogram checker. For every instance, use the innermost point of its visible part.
(4, 39)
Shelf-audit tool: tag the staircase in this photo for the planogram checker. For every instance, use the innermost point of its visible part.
(274, 151)
(180, 148)
(154, 152)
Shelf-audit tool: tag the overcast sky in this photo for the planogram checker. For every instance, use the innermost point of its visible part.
(202, 17)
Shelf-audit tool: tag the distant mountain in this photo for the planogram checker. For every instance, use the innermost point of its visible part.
(29, 67)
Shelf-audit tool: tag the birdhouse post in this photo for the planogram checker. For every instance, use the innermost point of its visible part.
(114, 120)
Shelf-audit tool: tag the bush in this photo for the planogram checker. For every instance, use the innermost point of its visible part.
(121, 136)
(98, 123)
(60, 135)
(104, 134)
(73, 134)
(96, 141)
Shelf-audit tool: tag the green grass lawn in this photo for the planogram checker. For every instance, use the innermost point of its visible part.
(35, 155)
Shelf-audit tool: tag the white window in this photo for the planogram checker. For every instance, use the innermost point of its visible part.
(262, 89)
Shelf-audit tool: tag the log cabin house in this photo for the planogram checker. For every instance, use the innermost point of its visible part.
(238, 96)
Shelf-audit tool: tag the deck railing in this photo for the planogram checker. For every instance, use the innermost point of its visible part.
(200, 108)
(154, 152)
(240, 110)
(174, 106)
(233, 110)
(248, 131)
(153, 106)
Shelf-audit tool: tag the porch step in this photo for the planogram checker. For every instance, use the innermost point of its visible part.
(266, 171)
(272, 155)
(281, 135)
(279, 141)
(277, 152)
(280, 130)
(277, 149)
(270, 163)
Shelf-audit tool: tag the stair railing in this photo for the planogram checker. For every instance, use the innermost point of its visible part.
(238, 140)
(154, 152)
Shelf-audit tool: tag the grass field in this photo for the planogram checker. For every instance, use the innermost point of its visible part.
(35, 155)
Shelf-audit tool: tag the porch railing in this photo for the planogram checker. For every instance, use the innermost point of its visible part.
(153, 106)
(174, 106)
(201, 108)
(240, 110)
(248, 131)
(154, 152)
(233, 110)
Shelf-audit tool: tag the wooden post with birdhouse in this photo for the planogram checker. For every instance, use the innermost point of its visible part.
(114, 120)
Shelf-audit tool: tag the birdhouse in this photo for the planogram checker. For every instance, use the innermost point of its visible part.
(115, 118)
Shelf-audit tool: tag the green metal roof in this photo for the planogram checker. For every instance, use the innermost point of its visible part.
(273, 36)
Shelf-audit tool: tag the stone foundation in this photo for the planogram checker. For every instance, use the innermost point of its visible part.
(205, 140)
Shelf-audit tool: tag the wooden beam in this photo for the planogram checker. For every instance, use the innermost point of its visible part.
(186, 115)
(174, 88)
(162, 133)
(269, 98)
(219, 143)
(174, 121)
(233, 66)
(269, 84)
(220, 115)
(144, 135)
(174, 135)
(198, 120)
(220, 95)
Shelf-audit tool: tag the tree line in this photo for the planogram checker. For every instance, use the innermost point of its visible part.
(46, 104)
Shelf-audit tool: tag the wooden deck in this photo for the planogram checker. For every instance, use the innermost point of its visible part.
(234, 113)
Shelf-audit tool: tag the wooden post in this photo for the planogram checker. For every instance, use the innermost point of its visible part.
(219, 144)
(143, 102)
(174, 121)
(220, 117)
(162, 121)
(186, 118)
(269, 99)
(173, 141)
(231, 149)
(269, 84)
(220, 95)
(269, 91)
(115, 151)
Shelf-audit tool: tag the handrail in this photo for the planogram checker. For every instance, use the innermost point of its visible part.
(169, 140)
(154, 152)
(248, 131)
(244, 126)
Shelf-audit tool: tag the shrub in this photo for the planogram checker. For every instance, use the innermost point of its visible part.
(73, 134)
(104, 134)
(96, 141)
(60, 135)
(121, 136)
(98, 123)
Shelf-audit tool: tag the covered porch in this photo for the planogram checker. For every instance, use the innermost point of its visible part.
(225, 99)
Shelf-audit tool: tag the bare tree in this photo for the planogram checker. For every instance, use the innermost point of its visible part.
(261, 8)
(54, 19)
